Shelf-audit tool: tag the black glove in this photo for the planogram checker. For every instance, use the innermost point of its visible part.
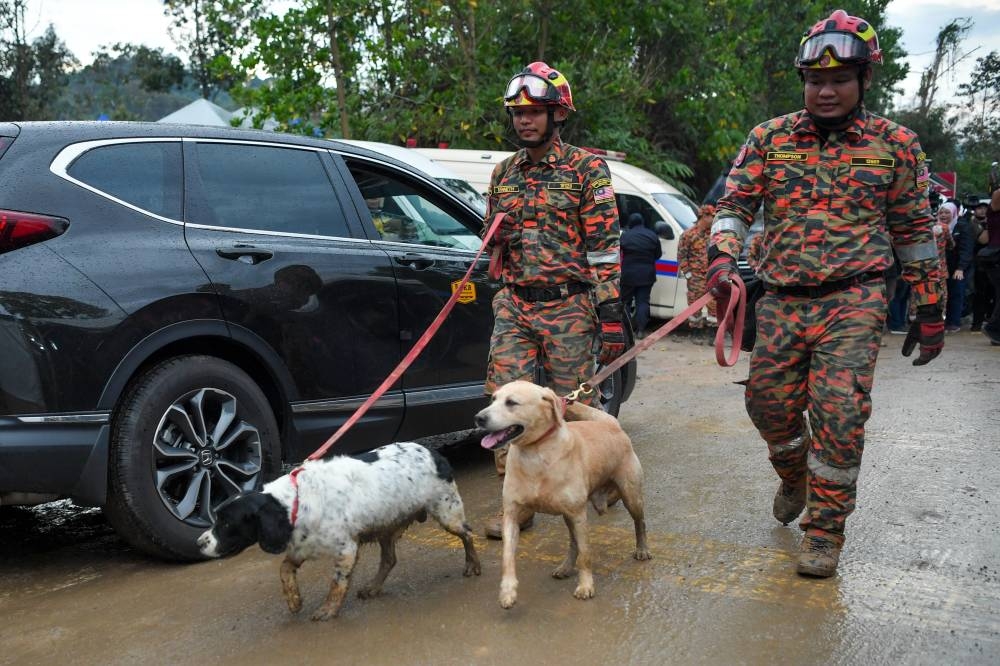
(718, 279)
(928, 330)
(609, 313)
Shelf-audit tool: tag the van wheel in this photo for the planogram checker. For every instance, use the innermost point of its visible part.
(187, 435)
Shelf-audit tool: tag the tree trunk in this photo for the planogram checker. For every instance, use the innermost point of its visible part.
(338, 74)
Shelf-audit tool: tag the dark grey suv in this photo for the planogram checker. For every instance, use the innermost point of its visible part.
(183, 309)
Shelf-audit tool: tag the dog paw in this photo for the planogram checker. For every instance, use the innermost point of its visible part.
(584, 592)
(642, 554)
(472, 569)
(563, 571)
(508, 600)
(369, 592)
(323, 614)
(294, 603)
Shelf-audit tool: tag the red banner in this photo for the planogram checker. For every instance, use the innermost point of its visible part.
(945, 183)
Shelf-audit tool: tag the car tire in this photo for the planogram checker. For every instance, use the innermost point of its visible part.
(186, 435)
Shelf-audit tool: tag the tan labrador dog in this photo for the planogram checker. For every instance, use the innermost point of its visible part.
(555, 466)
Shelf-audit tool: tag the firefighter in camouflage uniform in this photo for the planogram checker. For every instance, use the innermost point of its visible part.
(692, 261)
(558, 247)
(841, 188)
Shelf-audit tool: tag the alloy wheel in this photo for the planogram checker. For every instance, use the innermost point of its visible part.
(203, 454)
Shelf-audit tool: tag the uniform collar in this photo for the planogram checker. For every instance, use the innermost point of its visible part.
(554, 155)
(804, 124)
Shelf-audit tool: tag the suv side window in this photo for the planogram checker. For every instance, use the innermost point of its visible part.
(403, 214)
(146, 175)
(264, 188)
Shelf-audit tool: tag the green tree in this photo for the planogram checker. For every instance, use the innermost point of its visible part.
(980, 145)
(31, 74)
(675, 85)
(210, 32)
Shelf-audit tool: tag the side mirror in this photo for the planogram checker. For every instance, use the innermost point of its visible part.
(664, 230)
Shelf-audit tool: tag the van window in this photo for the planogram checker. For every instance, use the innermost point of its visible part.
(403, 213)
(630, 203)
(680, 208)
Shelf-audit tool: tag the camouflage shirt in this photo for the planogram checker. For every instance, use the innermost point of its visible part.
(692, 252)
(833, 208)
(566, 216)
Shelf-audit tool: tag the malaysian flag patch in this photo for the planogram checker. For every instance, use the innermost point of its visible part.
(604, 194)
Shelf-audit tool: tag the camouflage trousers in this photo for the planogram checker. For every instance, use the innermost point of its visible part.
(816, 357)
(557, 336)
(695, 290)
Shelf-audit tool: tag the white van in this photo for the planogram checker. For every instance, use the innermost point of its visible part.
(435, 170)
(664, 207)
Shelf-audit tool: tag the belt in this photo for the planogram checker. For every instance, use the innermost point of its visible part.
(815, 291)
(553, 293)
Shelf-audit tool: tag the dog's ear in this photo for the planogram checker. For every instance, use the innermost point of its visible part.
(555, 404)
(274, 530)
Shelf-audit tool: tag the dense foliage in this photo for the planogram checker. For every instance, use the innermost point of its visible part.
(675, 85)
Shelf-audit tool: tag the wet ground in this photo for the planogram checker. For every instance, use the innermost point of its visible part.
(919, 580)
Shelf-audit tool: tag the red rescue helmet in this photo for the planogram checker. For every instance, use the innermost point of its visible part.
(838, 41)
(538, 85)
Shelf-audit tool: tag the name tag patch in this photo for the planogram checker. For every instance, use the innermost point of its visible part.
(786, 157)
(883, 162)
(504, 189)
(573, 187)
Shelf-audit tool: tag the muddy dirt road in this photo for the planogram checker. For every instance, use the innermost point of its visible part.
(919, 580)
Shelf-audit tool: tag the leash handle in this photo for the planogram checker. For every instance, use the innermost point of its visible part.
(414, 351)
(732, 322)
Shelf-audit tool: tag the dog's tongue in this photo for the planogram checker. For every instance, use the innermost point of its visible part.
(492, 439)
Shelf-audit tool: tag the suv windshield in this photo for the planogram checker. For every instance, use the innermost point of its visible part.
(679, 206)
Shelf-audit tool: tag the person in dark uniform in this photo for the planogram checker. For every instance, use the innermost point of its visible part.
(640, 249)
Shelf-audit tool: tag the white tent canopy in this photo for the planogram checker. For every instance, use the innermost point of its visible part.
(199, 112)
(204, 112)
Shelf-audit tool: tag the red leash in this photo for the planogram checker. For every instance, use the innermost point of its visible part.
(399, 369)
(726, 323)
(415, 351)
(731, 321)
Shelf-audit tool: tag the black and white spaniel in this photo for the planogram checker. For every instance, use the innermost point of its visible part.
(330, 507)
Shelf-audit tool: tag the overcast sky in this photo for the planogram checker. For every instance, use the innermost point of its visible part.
(87, 24)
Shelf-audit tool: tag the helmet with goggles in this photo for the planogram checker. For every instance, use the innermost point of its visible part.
(838, 41)
(538, 85)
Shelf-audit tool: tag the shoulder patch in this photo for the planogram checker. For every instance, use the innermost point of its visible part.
(598, 183)
(604, 194)
(738, 162)
(884, 162)
(923, 174)
(785, 157)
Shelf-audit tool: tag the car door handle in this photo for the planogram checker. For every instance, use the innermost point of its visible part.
(246, 254)
(417, 261)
